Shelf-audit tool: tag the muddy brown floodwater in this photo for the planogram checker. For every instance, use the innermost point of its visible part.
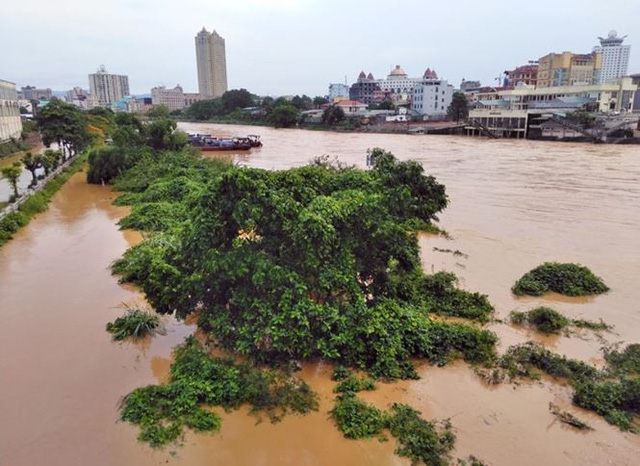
(514, 204)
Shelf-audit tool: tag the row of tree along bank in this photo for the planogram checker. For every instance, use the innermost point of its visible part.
(239, 106)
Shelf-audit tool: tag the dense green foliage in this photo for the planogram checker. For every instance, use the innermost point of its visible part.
(442, 297)
(313, 261)
(353, 384)
(198, 379)
(527, 360)
(333, 115)
(613, 392)
(134, 142)
(617, 400)
(36, 203)
(567, 279)
(459, 107)
(626, 362)
(544, 319)
(12, 175)
(66, 125)
(417, 438)
(284, 116)
(357, 419)
(136, 323)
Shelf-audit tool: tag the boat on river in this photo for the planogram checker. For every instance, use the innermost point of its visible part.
(206, 142)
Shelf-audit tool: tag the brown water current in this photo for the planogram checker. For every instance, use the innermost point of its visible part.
(514, 204)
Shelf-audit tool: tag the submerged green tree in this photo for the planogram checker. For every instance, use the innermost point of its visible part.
(459, 107)
(333, 115)
(65, 125)
(319, 260)
(284, 116)
(12, 174)
(32, 163)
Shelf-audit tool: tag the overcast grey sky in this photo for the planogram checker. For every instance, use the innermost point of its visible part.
(296, 46)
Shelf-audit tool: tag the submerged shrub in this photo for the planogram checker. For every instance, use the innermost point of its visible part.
(197, 379)
(544, 319)
(136, 323)
(528, 359)
(591, 325)
(617, 401)
(566, 279)
(357, 419)
(354, 384)
(626, 361)
(418, 439)
(442, 297)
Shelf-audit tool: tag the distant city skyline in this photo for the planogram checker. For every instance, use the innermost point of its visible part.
(280, 47)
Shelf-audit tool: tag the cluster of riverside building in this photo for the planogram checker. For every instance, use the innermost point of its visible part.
(524, 101)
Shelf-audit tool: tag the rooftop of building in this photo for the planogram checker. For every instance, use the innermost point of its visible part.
(397, 72)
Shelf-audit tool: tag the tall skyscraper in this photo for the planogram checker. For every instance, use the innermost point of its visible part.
(107, 88)
(212, 64)
(615, 57)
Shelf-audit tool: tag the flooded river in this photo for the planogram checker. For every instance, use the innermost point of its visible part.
(514, 204)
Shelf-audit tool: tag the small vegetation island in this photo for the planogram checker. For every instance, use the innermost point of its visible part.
(566, 279)
(315, 262)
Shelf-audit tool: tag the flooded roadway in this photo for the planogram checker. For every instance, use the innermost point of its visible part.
(513, 206)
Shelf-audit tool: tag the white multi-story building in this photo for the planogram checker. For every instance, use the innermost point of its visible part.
(398, 82)
(107, 88)
(212, 64)
(171, 98)
(10, 123)
(338, 91)
(615, 57)
(432, 96)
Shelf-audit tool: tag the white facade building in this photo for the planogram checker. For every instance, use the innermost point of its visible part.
(171, 98)
(398, 82)
(338, 91)
(10, 123)
(615, 57)
(211, 61)
(432, 97)
(107, 88)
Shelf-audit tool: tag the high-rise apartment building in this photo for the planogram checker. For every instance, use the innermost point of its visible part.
(615, 57)
(569, 69)
(10, 123)
(212, 64)
(107, 88)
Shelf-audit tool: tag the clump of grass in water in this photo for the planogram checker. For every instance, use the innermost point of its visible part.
(568, 418)
(197, 379)
(136, 323)
(544, 319)
(566, 279)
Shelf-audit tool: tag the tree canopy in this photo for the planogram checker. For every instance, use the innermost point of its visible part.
(320, 260)
(459, 107)
(65, 125)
